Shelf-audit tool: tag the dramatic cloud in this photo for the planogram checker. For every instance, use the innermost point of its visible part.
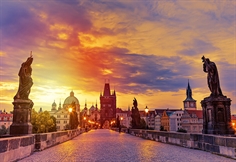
(147, 49)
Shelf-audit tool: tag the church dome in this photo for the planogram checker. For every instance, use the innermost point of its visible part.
(54, 104)
(69, 100)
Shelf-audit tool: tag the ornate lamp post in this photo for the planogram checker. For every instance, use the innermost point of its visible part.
(146, 111)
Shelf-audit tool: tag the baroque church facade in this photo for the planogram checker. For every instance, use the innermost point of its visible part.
(107, 106)
(62, 113)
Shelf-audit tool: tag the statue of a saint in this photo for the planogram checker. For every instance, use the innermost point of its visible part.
(135, 115)
(212, 77)
(135, 103)
(25, 80)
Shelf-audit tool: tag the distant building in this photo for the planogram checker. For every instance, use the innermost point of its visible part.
(124, 116)
(41, 109)
(175, 120)
(94, 114)
(151, 119)
(108, 106)
(62, 114)
(157, 122)
(192, 121)
(5, 119)
(189, 102)
(165, 120)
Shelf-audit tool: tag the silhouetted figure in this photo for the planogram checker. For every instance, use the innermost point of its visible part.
(118, 121)
(119, 128)
(212, 77)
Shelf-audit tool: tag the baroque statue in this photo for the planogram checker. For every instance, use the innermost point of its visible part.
(135, 115)
(25, 80)
(21, 124)
(212, 77)
(216, 107)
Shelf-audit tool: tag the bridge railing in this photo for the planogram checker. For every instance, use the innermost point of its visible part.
(15, 148)
(222, 145)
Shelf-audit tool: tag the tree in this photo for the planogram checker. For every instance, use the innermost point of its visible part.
(143, 124)
(54, 128)
(42, 122)
(34, 116)
(3, 130)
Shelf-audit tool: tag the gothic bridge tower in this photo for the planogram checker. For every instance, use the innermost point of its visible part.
(108, 106)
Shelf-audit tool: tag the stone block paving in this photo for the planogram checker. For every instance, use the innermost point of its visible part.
(103, 145)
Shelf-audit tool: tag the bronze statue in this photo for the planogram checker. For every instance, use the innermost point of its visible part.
(25, 80)
(212, 77)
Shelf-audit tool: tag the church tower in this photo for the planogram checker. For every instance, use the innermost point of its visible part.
(108, 106)
(189, 102)
(54, 106)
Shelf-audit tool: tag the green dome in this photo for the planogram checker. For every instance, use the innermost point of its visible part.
(71, 99)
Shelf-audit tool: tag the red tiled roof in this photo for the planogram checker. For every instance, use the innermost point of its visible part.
(6, 115)
(119, 110)
(233, 117)
(197, 112)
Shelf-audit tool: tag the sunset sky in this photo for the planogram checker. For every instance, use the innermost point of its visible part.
(147, 49)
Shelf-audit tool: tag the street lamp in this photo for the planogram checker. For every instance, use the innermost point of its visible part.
(70, 120)
(146, 110)
(70, 109)
(121, 118)
(84, 120)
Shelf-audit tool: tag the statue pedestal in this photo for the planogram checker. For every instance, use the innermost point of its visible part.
(21, 117)
(217, 115)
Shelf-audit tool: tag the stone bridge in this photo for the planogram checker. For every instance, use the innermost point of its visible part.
(110, 145)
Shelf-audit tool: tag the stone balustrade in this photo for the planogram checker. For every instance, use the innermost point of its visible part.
(15, 148)
(222, 145)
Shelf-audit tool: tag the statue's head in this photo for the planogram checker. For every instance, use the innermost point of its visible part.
(207, 60)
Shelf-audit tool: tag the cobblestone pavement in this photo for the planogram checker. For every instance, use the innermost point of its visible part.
(104, 145)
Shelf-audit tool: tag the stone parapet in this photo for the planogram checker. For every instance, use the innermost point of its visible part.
(45, 140)
(222, 145)
(15, 148)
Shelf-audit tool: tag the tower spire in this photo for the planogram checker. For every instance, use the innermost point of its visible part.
(107, 91)
(189, 102)
(189, 92)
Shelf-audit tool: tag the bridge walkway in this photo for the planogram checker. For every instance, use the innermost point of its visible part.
(104, 145)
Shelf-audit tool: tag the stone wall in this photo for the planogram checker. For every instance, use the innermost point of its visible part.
(222, 145)
(15, 148)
